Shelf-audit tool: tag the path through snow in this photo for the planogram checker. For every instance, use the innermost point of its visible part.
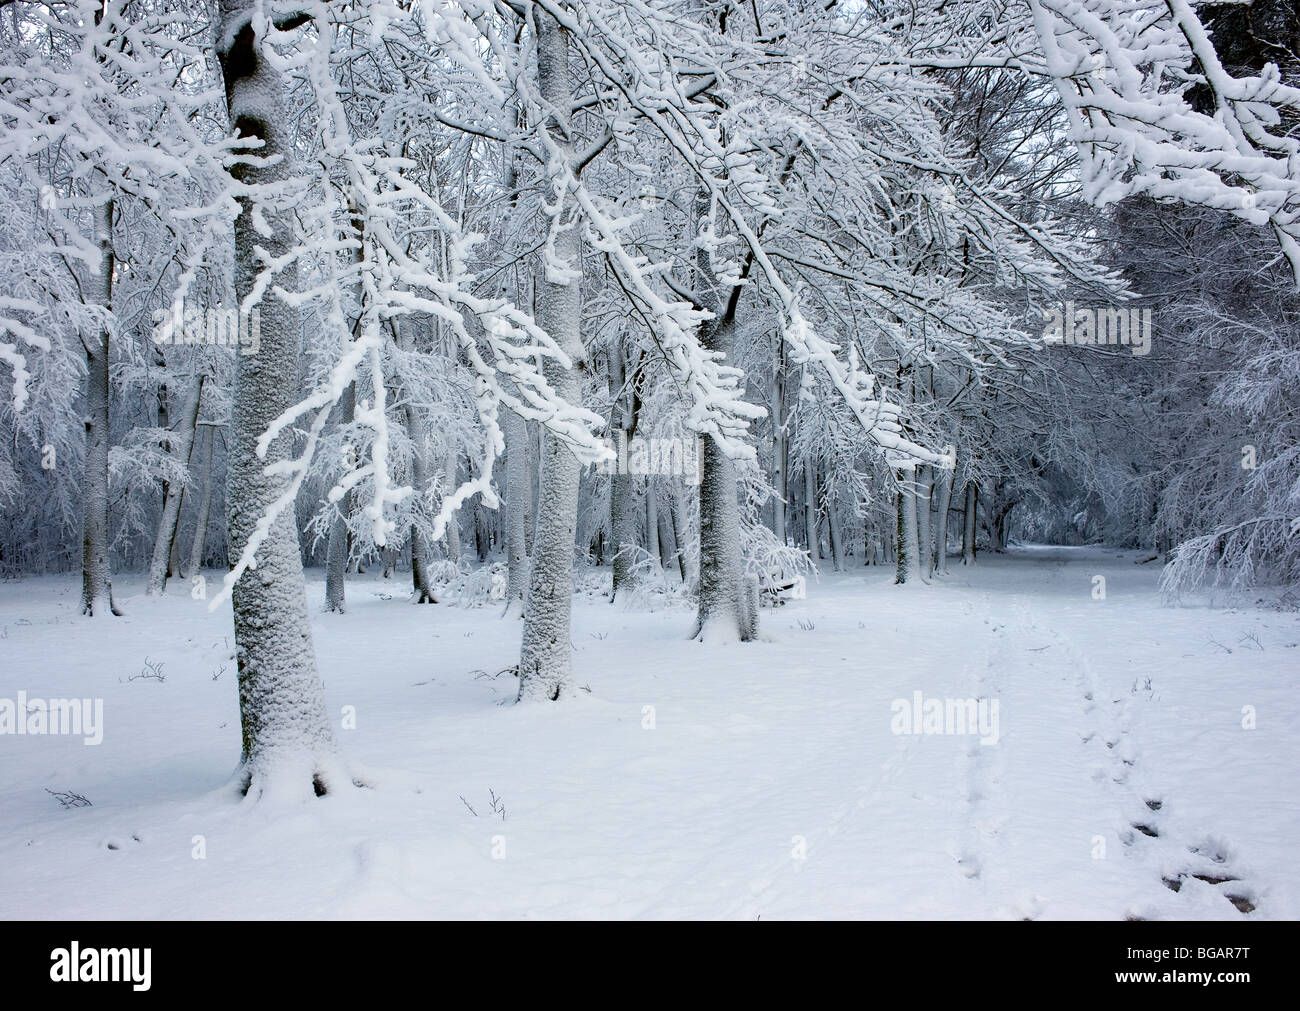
(1122, 784)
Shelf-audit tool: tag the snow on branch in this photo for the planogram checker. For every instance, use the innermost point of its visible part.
(103, 102)
(502, 345)
(1124, 73)
(9, 350)
(643, 71)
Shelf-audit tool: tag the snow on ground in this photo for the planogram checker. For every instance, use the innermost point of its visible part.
(771, 784)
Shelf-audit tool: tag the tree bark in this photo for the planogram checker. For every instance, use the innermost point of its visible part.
(449, 472)
(174, 556)
(519, 489)
(941, 521)
(778, 444)
(421, 585)
(924, 498)
(163, 543)
(289, 749)
(724, 604)
(96, 579)
(545, 661)
(624, 529)
(968, 524)
(721, 615)
(624, 515)
(810, 509)
(336, 558)
(675, 535)
(205, 504)
(652, 523)
(909, 547)
(833, 532)
(482, 537)
(996, 514)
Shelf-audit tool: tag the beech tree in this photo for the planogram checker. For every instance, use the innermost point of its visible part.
(288, 739)
(819, 239)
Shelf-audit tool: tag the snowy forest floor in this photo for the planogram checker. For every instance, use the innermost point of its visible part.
(1121, 770)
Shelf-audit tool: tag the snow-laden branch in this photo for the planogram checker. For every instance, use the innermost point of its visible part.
(643, 73)
(1124, 72)
(502, 345)
(10, 325)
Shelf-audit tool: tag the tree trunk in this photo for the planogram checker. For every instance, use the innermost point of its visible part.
(675, 534)
(174, 556)
(941, 521)
(667, 538)
(545, 662)
(998, 522)
(968, 524)
(171, 514)
(519, 489)
(205, 503)
(449, 472)
(625, 523)
(833, 532)
(721, 615)
(420, 584)
(924, 498)
(810, 509)
(725, 606)
(289, 749)
(909, 548)
(96, 580)
(778, 445)
(336, 558)
(625, 512)
(482, 538)
(535, 434)
(652, 523)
